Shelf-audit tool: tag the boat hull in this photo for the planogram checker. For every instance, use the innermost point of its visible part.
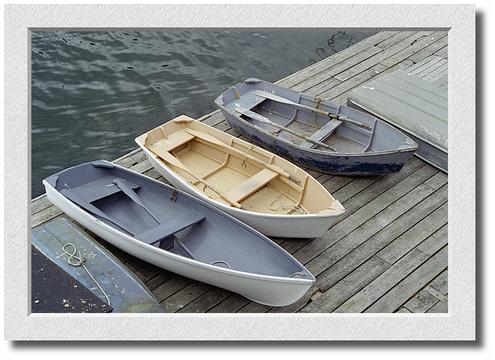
(267, 290)
(335, 164)
(283, 226)
(124, 290)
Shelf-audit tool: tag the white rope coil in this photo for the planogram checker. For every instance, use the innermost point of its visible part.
(77, 261)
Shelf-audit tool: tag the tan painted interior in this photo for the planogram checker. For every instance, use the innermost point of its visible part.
(234, 171)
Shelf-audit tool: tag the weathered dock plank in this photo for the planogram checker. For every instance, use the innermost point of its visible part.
(387, 253)
(434, 292)
(393, 299)
(335, 272)
(348, 286)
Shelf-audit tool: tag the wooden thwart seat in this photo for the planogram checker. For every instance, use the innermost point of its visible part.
(173, 141)
(322, 134)
(98, 189)
(251, 185)
(171, 227)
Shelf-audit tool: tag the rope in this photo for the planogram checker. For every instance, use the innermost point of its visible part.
(295, 208)
(77, 261)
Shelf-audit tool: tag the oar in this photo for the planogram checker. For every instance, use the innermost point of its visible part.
(166, 156)
(261, 118)
(232, 150)
(283, 100)
(120, 183)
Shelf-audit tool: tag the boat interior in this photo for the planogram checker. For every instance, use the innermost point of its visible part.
(159, 215)
(307, 128)
(236, 173)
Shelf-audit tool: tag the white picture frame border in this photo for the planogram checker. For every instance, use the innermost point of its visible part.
(458, 324)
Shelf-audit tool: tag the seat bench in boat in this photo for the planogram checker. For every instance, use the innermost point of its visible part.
(171, 227)
(251, 185)
(322, 134)
(101, 188)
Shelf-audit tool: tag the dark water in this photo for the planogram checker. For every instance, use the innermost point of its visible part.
(94, 92)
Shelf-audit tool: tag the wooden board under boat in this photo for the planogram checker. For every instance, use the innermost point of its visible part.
(260, 188)
(178, 232)
(313, 132)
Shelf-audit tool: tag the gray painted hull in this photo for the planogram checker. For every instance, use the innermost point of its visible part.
(124, 290)
(393, 148)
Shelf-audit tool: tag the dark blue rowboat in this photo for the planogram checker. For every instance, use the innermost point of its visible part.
(314, 133)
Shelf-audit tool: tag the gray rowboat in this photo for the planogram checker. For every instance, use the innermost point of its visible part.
(314, 133)
(178, 232)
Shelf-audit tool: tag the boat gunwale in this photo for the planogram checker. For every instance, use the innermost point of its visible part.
(326, 213)
(194, 262)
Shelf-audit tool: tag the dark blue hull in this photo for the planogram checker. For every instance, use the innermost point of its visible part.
(325, 162)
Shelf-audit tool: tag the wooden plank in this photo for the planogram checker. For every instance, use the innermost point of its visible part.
(412, 284)
(437, 73)
(155, 281)
(230, 304)
(251, 185)
(348, 286)
(350, 190)
(207, 301)
(183, 297)
(386, 54)
(440, 307)
(430, 49)
(322, 82)
(420, 44)
(424, 64)
(40, 204)
(411, 238)
(351, 82)
(314, 69)
(383, 283)
(336, 183)
(170, 287)
(342, 267)
(443, 52)
(435, 242)
(44, 216)
(364, 232)
(428, 297)
(440, 78)
(214, 119)
(434, 68)
(400, 36)
(324, 132)
(377, 203)
(253, 307)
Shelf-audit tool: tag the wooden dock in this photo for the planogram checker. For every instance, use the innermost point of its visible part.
(388, 253)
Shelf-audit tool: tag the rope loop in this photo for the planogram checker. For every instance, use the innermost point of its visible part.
(79, 260)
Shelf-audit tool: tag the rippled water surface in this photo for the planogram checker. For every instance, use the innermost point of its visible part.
(94, 92)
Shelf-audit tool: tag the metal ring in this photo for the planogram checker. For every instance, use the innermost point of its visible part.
(221, 262)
